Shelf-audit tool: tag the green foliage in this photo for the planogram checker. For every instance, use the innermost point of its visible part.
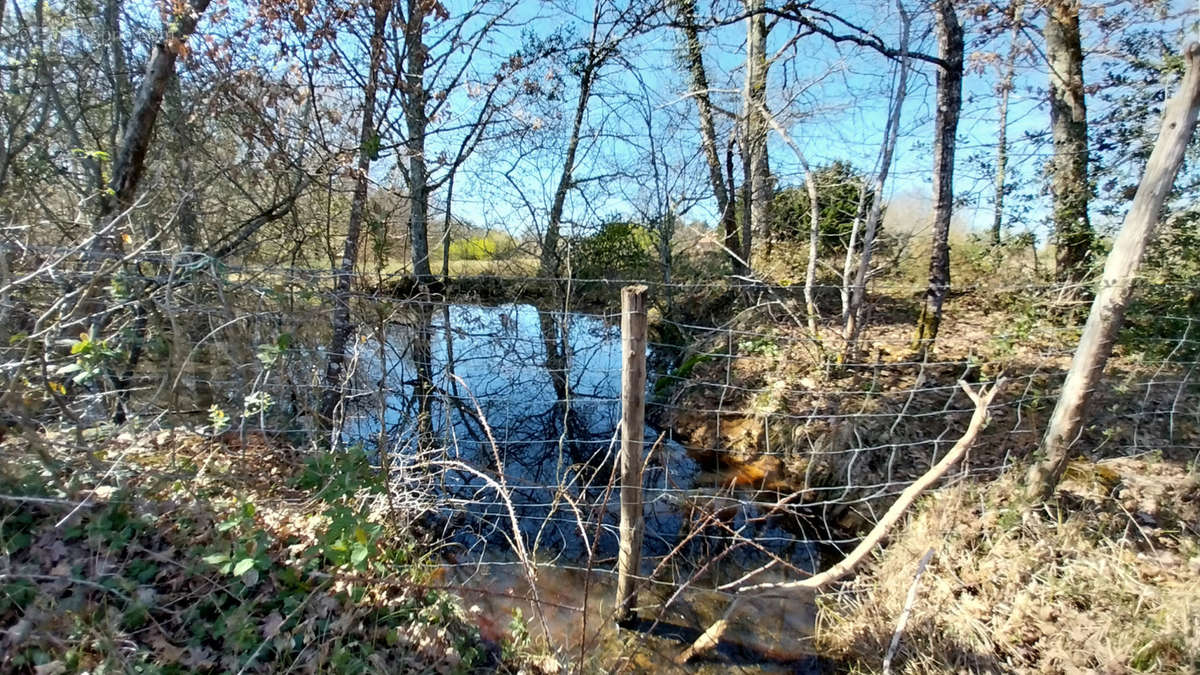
(218, 420)
(349, 540)
(760, 345)
(839, 190)
(519, 641)
(334, 475)
(269, 354)
(247, 553)
(1162, 319)
(664, 384)
(619, 250)
(91, 356)
(485, 247)
(216, 583)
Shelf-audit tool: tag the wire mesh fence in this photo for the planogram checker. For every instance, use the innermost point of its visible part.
(492, 404)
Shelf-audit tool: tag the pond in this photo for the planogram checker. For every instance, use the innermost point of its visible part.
(513, 399)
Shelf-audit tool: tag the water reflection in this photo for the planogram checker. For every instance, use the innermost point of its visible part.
(546, 386)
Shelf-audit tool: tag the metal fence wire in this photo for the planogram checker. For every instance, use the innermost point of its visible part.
(494, 403)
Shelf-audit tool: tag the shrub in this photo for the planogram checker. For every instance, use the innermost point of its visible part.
(839, 187)
(1167, 301)
(619, 250)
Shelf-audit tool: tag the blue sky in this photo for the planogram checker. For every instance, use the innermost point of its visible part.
(831, 99)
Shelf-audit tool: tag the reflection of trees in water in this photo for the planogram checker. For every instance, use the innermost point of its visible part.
(543, 382)
(422, 357)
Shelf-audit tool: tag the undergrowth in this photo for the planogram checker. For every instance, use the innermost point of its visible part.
(179, 553)
(1103, 580)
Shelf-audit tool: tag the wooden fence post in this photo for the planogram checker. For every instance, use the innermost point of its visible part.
(1116, 287)
(633, 426)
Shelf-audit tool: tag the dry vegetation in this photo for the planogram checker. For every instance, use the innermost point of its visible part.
(196, 563)
(1102, 581)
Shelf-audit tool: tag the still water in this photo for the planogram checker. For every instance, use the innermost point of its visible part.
(510, 414)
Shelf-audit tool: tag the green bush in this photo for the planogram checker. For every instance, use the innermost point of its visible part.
(620, 250)
(839, 188)
(1162, 321)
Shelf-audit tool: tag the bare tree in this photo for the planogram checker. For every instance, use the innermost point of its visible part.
(1005, 89)
(139, 130)
(1116, 286)
(599, 50)
(853, 311)
(758, 182)
(368, 146)
(949, 104)
(416, 97)
(722, 191)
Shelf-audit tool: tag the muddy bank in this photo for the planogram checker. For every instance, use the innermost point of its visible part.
(765, 407)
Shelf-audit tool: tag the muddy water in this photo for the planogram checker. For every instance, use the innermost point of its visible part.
(510, 413)
(572, 609)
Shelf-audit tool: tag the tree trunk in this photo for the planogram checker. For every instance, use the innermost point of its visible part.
(1068, 122)
(708, 133)
(854, 317)
(344, 276)
(755, 93)
(949, 104)
(187, 222)
(814, 242)
(1006, 85)
(550, 263)
(414, 114)
(117, 69)
(1116, 287)
(131, 158)
(550, 266)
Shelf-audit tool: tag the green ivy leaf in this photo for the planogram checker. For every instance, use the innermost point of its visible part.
(243, 566)
(359, 555)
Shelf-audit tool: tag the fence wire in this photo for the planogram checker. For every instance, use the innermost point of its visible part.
(493, 403)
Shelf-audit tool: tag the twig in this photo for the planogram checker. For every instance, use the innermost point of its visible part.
(903, 621)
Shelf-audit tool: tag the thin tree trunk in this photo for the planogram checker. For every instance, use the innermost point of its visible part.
(708, 133)
(344, 276)
(759, 176)
(130, 159)
(1006, 85)
(550, 263)
(446, 228)
(848, 264)
(1116, 287)
(814, 242)
(1068, 122)
(854, 318)
(414, 113)
(949, 104)
(118, 71)
(186, 220)
(135, 142)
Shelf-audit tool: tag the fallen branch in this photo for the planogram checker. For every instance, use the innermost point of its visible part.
(982, 400)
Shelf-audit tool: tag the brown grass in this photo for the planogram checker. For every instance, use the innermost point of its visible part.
(1102, 581)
